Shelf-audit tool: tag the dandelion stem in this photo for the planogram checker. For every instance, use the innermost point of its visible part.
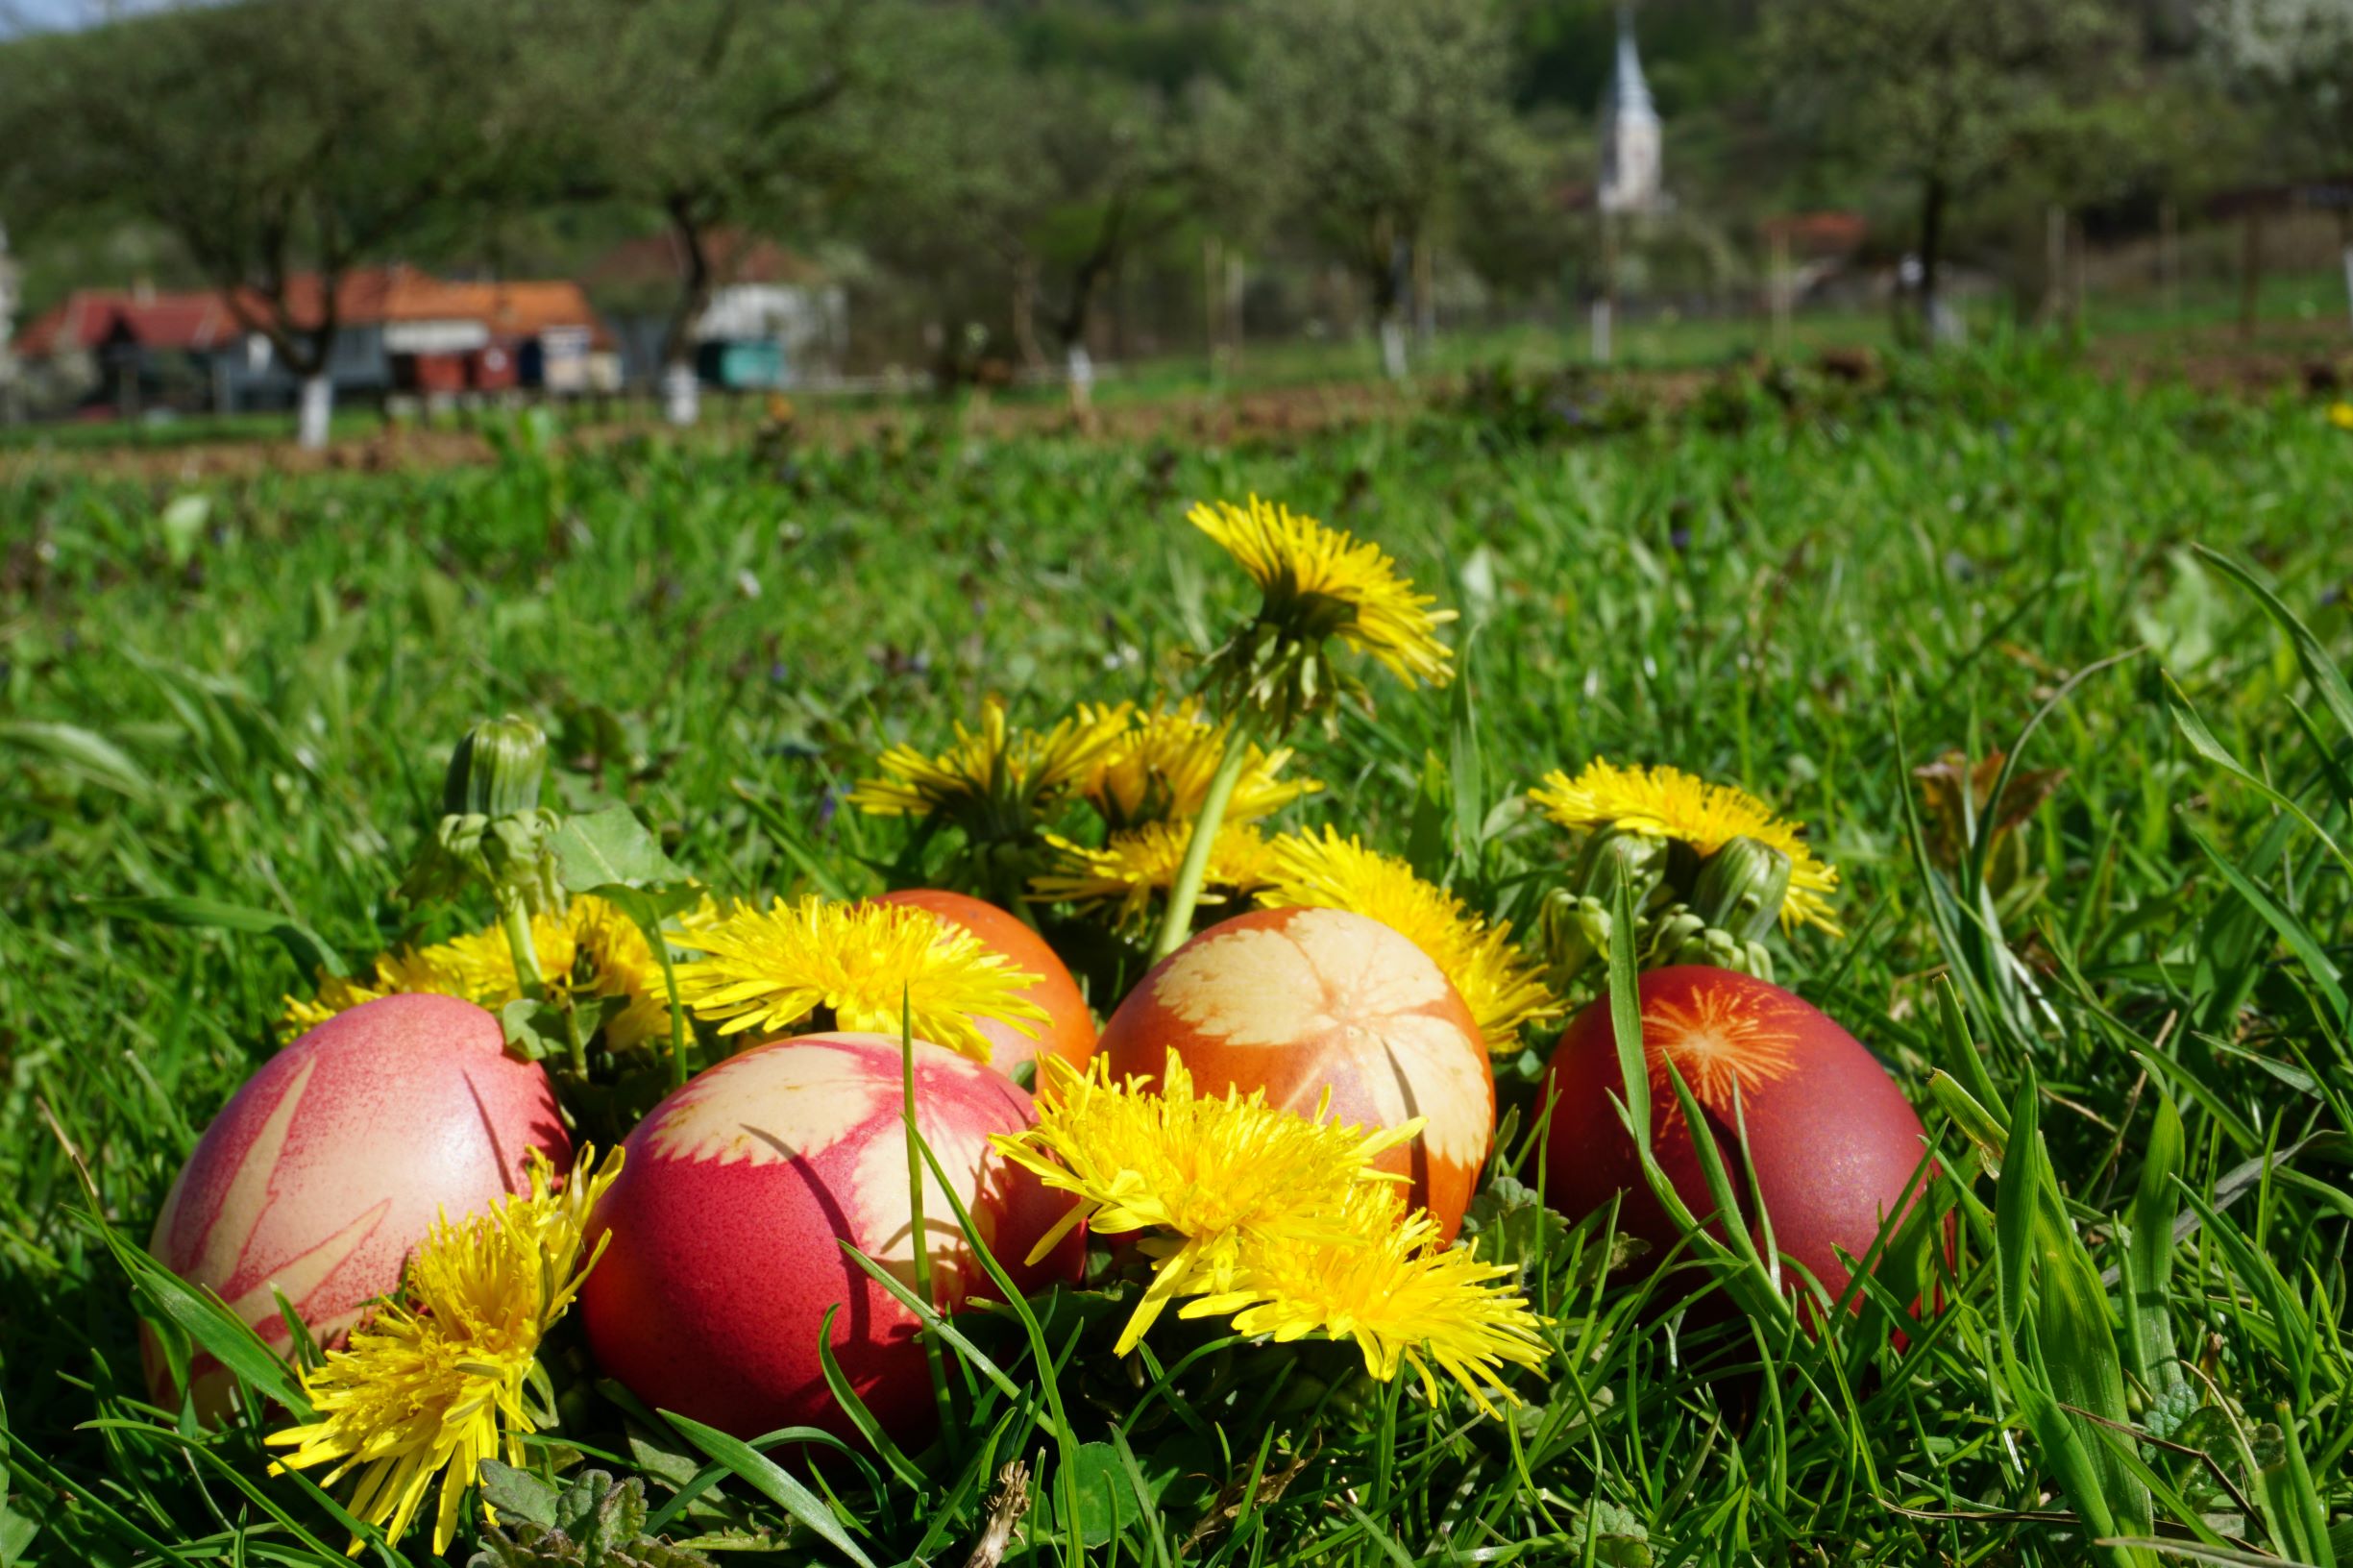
(530, 979)
(516, 921)
(1186, 892)
(678, 1010)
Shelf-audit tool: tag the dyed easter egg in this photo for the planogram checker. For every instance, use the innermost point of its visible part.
(1833, 1140)
(1296, 1001)
(725, 1223)
(335, 1158)
(1068, 1031)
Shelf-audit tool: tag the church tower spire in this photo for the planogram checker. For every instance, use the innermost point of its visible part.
(1630, 136)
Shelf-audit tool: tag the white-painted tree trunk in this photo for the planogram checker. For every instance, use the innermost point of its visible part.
(681, 395)
(315, 411)
(1393, 348)
(1080, 366)
(1600, 331)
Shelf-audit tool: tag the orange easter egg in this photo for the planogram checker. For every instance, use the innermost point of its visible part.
(1068, 1031)
(1296, 1001)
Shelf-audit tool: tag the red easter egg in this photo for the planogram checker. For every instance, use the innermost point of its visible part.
(725, 1220)
(1833, 1140)
(335, 1160)
(1294, 1001)
(1068, 1031)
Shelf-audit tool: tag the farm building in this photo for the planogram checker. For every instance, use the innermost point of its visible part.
(399, 331)
(773, 319)
(130, 350)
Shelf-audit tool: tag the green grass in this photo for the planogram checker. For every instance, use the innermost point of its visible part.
(255, 701)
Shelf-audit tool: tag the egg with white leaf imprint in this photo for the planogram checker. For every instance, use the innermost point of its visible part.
(326, 1168)
(727, 1223)
(1301, 1002)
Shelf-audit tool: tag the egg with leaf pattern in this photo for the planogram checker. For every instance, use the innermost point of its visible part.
(725, 1267)
(1835, 1145)
(332, 1161)
(1299, 1002)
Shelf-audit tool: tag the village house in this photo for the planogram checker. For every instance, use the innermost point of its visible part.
(400, 330)
(774, 320)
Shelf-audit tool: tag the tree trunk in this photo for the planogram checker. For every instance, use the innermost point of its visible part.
(1784, 287)
(2344, 246)
(2054, 263)
(1236, 292)
(315, 410)
(2250, 271)
(1425, 294)
(1606, 303)
(1075, 327)
(1388, 274)
(681, 390)
(1393, 363)
(1212, 331)
(1025, 312)
(2168, 256)
(1932, 260)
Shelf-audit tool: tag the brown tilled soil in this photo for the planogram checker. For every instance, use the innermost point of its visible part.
(1273, 413)
(2316, 358)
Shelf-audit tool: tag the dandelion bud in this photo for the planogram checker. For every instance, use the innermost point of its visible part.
(1575, 932)
(1619, 857)
(495, 769)
(1681, 935)
(1741, 887)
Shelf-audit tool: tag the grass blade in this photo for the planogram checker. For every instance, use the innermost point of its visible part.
(770, 1479)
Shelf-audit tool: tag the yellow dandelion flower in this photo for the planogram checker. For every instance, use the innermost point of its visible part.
(393, 972)
(993, 776)
(619, 962)
(435, 1384)
(1320, 581)
(1158, 769)
(483, 961)
(772, 968)
(1220, 1173)
(1503, 987)
(1390, 1286)
(1137, 868)
(479, 966)
(592, 935)
(1669, 803)
(2341, 415)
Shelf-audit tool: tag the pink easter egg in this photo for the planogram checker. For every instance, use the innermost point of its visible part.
(726, 1221)
(333, 1161)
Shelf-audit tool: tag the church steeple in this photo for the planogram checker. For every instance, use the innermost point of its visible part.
(1630, 133)
(1628, 93)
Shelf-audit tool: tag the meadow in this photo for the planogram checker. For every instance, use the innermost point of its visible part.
(223, 711)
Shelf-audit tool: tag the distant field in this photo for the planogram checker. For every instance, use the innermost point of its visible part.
(247, 697)
(2300, 315)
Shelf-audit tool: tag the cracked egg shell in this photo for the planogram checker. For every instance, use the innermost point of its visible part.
(725, 1225)
(1293, 1000)
(1833, 1140)
(333, 1161)
(1068, 1031)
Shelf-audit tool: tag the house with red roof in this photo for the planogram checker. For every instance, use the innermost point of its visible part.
(126, 349)
(399, 329)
